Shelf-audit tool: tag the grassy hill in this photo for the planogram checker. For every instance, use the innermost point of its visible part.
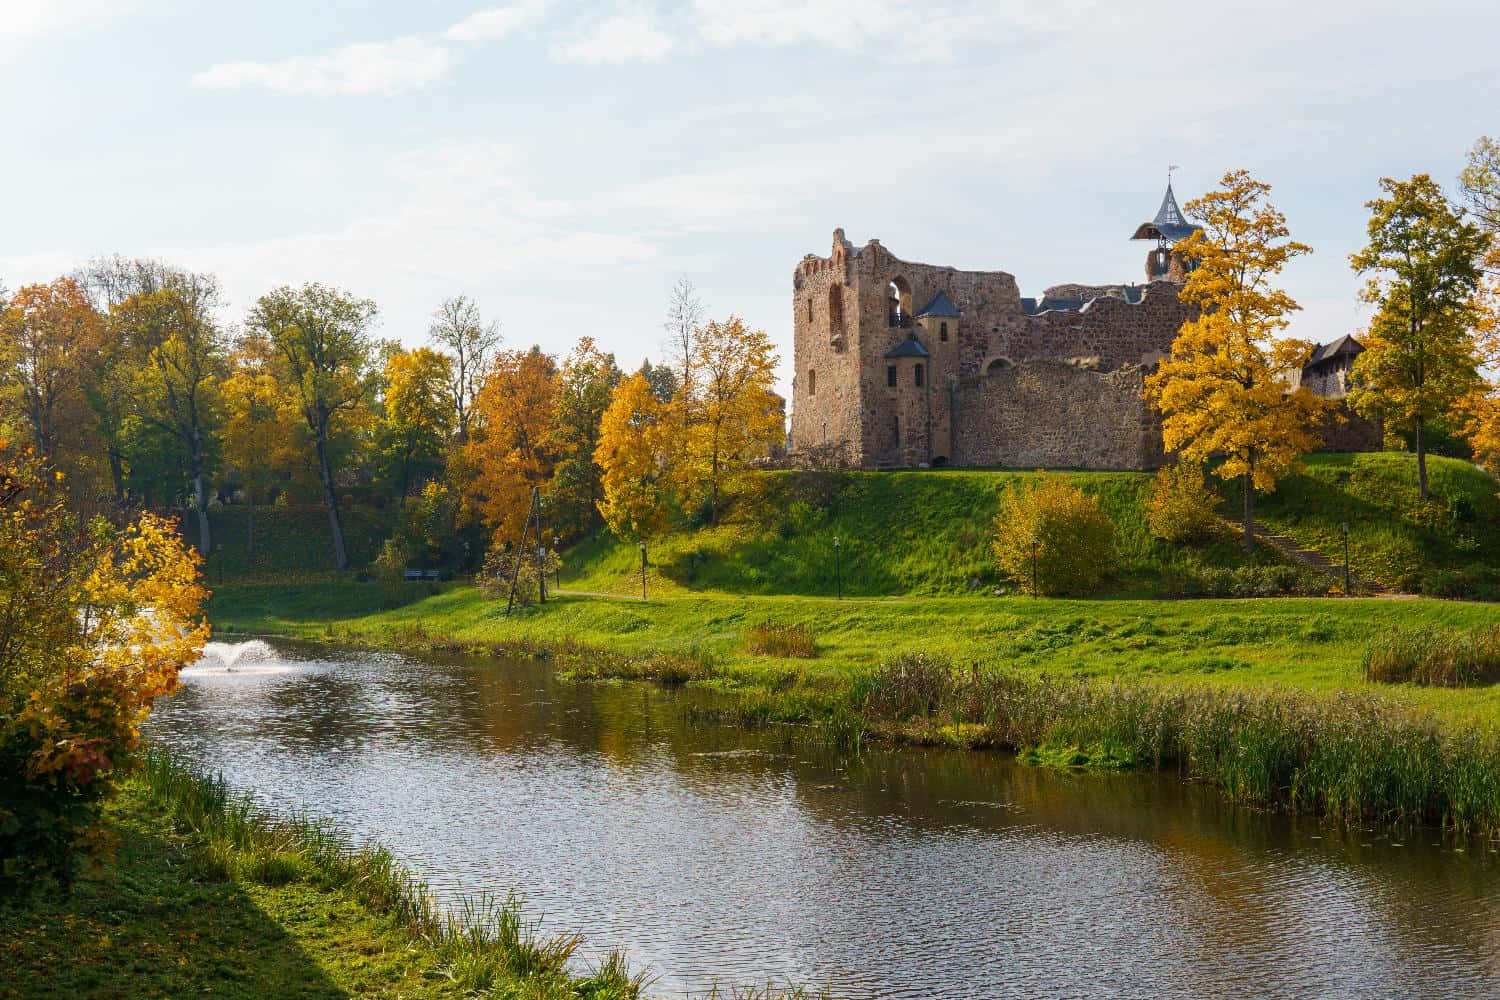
(928, 533)
(913, 533)
(1448, 546)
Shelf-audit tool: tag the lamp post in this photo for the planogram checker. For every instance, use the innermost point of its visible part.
(541, 574)
(557, 573)
(643, 571)
(1344, 527)
(838, 568)
(1033, 565)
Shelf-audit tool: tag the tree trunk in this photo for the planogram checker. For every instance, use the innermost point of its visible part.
(117, 475)
(200, 501)
(1421, 463)
(1249, 491)
(331, 500)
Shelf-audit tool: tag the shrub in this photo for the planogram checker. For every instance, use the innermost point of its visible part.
(1053, 538)
(96, 623)
(774, 639)
(1182, 506)
(501, 571)
(1435, 657)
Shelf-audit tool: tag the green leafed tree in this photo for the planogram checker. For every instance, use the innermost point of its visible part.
(323, 337)
(1423, 267)
(585, 387)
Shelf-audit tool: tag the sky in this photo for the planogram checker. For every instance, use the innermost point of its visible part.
(565, 163)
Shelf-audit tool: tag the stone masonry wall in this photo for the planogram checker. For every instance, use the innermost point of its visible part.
(1049, 413)
(843, 332)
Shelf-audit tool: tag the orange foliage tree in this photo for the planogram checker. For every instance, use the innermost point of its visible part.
(95, 623)
(508, 453)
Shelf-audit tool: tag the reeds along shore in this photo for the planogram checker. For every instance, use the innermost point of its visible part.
(488, 947)
(1359, 757)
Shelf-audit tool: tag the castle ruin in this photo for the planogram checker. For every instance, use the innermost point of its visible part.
(901, 364)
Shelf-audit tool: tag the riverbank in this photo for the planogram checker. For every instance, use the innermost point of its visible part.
(209, 895)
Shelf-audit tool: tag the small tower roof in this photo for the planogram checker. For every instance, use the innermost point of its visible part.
(911, 347)
(1169, 225)
(940, 306)
(1345, 345)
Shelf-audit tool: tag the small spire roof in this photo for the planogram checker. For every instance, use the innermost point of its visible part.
(911, 347)
(1169, 225)
(941, 307)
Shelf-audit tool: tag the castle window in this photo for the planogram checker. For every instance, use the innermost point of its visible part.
(898, 309)
(836, 309)
(890, 376)
(812, 382)
(943, 332)
(809, 310)
(918, 380)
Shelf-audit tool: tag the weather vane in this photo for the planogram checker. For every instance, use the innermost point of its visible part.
(1169, 174)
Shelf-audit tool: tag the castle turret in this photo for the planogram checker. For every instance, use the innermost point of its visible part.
(1169, 227)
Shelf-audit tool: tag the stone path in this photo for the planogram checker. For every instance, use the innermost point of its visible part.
(1313, 559)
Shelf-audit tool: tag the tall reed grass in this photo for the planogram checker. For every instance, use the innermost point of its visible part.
(1354, 757)
(1435, 657)
(786, 641)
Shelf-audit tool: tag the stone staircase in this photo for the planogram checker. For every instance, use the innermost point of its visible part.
(1312, 558)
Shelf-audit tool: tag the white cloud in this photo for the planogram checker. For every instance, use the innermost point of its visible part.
(629, 36)
(361, 68)
(494, 23)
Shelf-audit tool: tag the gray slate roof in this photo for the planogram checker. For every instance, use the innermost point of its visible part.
(1327, 352)
(1169, 224)
(940, 307)
(911, 347)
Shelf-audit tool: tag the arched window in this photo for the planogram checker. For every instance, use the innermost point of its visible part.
(812, 382)
(943, 332)
(997, 366)
(898, 308)
(918, 379)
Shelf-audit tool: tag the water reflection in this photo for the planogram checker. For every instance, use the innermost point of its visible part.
(710, 852)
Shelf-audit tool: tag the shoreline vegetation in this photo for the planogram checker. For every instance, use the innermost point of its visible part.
(1266, 700)
(209, 892)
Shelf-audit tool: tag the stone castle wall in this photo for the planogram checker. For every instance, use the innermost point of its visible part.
(1050, 413)
(842, 399)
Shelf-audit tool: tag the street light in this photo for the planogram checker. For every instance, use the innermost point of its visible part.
(556, 547)
(1344, 527)
(643, 571)
(838, 567)
(1033, 564)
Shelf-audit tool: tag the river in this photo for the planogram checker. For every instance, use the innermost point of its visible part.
(714, 854)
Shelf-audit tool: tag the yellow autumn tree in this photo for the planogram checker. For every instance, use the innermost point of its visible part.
(1225, 390)
(508, 452)
(96, 623)
(731, 413)
(259, 437)
(413, 432)
(635, 461)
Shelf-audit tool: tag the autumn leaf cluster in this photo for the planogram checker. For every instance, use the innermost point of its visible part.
(96, 621)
